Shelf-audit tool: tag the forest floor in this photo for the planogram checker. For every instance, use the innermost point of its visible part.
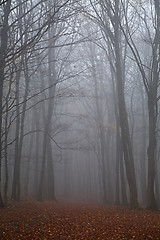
(33, 220)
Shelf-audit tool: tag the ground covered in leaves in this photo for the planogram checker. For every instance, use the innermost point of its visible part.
(49, 220)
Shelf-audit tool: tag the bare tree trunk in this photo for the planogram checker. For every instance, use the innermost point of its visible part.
(119, 153)
(37, 154)
(14, 185)
(6, 154)
(126, 142)
(102, 137)
(50, 171)
(143, 153)
(48, 118)
(3, 49)
(151, 151)
(27, 173)
(44, 152)
(19, 136)
(125, 133)
(153, 113)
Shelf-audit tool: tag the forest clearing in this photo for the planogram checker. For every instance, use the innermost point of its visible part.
(59, 221)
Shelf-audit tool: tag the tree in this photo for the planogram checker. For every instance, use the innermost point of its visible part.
(3, 55)
(150, 75)
(109, 19)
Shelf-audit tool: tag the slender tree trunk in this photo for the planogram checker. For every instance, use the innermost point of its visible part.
(151, 152)
(127, 147)
(102, 137)
(37, 154)
(3, 48)
(143, 154)
(124, 201)
(27, 173)
(118, 137)
(48, 119)
(118, 155)
(44, 154)
(16, 189)
(153, 113)
(1, 94)
(7, 127)
(50, 171)
(6, 154)
(14, 184)
(124, 125)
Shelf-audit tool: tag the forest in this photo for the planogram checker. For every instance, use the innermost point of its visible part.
(79, 101)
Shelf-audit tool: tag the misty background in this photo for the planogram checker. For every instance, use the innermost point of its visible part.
(79, 101)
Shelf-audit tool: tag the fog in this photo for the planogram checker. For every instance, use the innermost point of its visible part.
(79, 102)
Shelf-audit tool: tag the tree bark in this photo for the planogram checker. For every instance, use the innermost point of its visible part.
(124, 125)
(48, 119)
(3, 55)
(151, 152)
(153, 113)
